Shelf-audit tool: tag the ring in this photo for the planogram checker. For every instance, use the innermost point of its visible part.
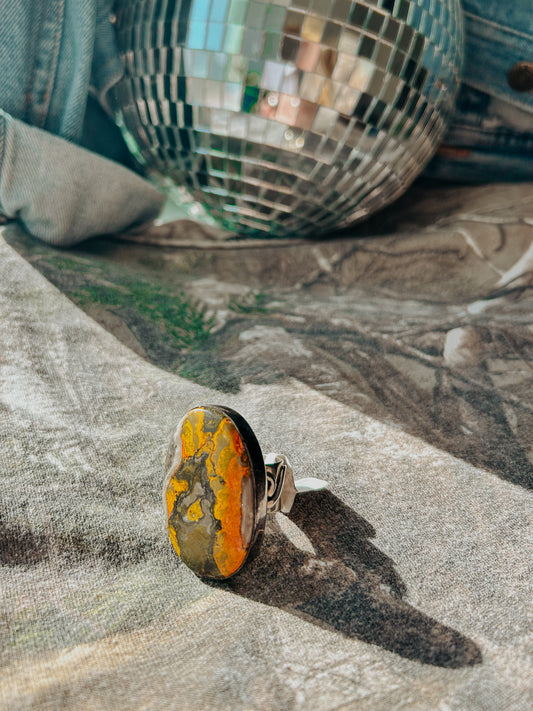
(218, 490)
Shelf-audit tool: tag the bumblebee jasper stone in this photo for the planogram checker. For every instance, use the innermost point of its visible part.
(215, 491)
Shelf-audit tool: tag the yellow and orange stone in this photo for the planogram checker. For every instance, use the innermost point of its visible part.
(215, 491)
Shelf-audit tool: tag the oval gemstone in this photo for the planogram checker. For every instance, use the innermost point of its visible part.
(210, 494)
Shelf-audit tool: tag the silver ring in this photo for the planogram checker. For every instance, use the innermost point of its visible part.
(219, 489)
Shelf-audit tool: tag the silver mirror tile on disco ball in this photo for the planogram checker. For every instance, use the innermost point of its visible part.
(288, 117)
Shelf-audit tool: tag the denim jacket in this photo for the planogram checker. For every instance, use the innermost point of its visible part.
(491, 135)
(52, 54)
(55, 53)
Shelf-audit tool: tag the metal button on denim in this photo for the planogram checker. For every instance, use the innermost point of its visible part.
(520, 76)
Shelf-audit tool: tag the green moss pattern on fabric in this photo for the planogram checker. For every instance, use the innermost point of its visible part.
(164, 321)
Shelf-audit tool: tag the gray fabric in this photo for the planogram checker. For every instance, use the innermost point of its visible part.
(63, 193)
(405, 585)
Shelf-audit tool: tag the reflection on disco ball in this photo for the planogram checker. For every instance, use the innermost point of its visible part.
(289, 117)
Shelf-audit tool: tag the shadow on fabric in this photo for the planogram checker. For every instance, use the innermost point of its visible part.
(347, 585)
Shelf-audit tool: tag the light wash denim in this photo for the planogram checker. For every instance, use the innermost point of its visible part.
(52, 54)
(55, 53)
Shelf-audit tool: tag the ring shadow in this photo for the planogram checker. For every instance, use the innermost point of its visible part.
(348, 585)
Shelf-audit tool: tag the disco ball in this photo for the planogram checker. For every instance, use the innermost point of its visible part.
(288, 117)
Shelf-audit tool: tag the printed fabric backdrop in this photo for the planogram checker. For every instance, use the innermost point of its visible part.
(394, 361)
